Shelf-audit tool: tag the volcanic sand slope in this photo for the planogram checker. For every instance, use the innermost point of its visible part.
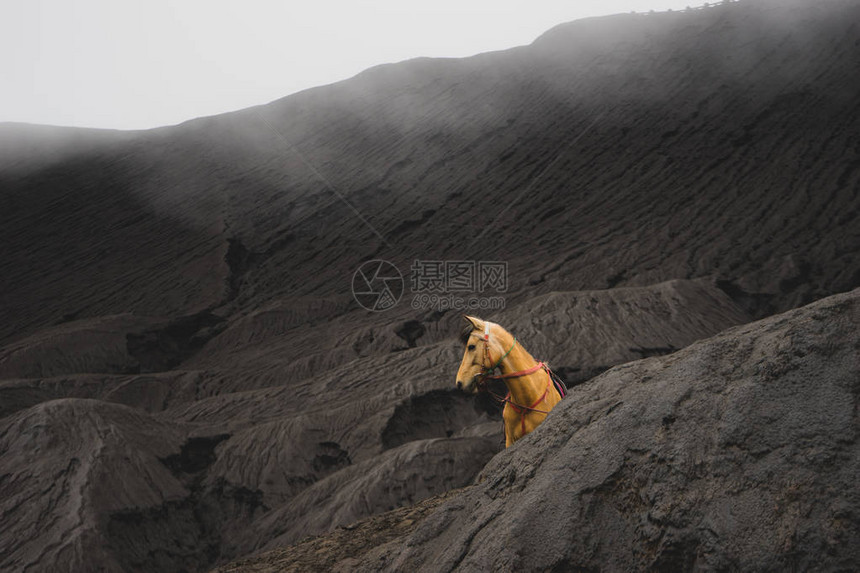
(589, 331)
(71, 465)
(268, 466)
(175, 302)
(738, 452)
(626, 150)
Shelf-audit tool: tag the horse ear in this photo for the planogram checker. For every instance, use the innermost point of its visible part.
(476, 323)
(472, 324)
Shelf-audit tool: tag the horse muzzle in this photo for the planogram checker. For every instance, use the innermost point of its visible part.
(470, 387)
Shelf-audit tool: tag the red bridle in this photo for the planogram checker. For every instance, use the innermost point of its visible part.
(487, 374)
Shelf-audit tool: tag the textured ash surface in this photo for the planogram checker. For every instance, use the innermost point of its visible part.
(739, 452)
(240, 471)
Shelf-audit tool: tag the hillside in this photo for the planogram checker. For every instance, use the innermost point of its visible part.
(717, 143)
(185, 377)
(738, 452)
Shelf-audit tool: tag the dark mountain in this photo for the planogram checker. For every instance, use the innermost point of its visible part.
(185, 376)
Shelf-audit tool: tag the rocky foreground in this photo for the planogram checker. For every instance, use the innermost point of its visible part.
(739, 452)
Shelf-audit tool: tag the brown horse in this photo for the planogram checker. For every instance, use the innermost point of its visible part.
(532, 389)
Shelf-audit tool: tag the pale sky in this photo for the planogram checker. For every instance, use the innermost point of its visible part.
(131, 64)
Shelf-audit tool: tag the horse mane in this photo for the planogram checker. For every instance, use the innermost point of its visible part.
(468, 328)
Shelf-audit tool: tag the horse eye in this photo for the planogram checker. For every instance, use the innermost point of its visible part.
(471, 347)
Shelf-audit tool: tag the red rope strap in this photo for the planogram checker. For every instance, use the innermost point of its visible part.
(487, 376)
(526, 372)
(521, 409)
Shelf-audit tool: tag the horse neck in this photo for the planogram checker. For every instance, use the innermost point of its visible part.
(525, 390)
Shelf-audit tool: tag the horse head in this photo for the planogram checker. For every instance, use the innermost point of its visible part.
(482, 341)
